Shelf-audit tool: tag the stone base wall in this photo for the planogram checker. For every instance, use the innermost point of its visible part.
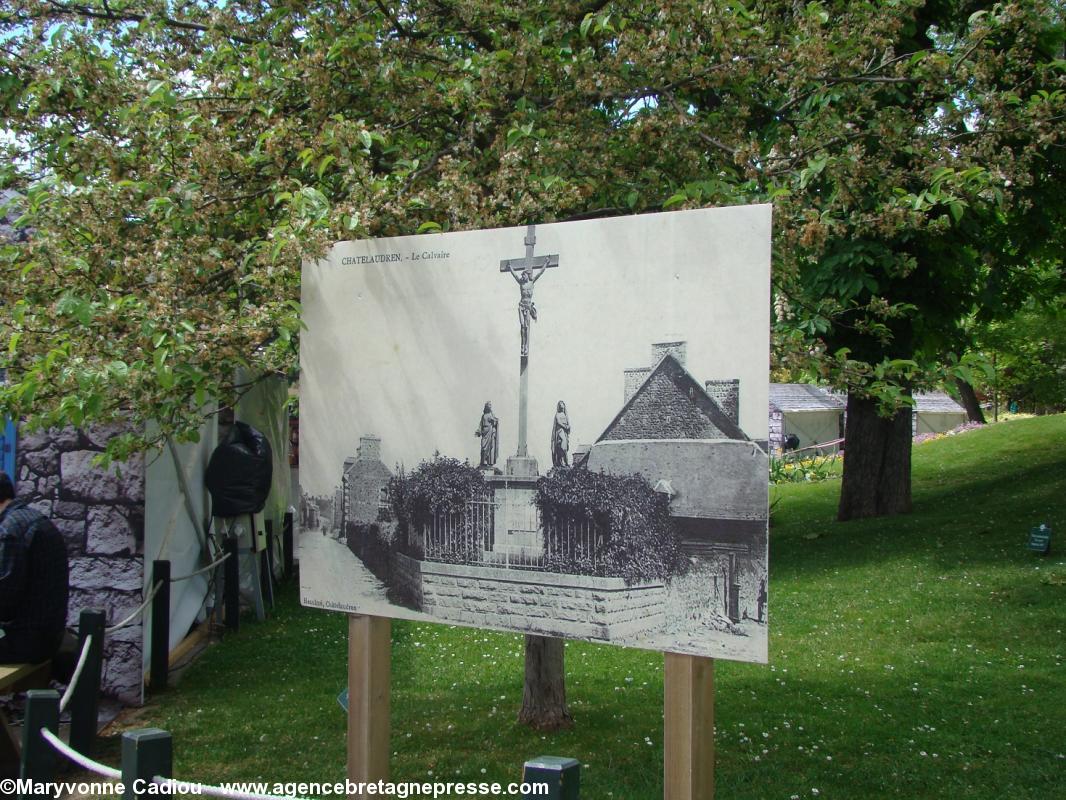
(406, 578)
(549, 604)
(101, 516)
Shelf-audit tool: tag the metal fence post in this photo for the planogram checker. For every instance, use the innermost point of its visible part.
(146, 753)
(287, 545)
(562, 775)
(232, 584)
(85, 701)
(159, 653)
(38, 761)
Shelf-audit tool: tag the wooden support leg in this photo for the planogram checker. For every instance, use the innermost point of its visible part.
(688, 739)
(369, 667)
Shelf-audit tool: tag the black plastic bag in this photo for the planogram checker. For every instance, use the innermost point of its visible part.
(239, 473)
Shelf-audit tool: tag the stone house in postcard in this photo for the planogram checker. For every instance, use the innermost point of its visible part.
(684, 437)
(365, 482)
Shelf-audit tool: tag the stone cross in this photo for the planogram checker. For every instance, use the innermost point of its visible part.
(526, 271)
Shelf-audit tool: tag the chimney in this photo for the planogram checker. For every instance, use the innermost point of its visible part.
(675, 347)
(369, 448)
(726, 393)
(633, 379)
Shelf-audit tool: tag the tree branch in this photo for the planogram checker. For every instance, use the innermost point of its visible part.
(70, 9)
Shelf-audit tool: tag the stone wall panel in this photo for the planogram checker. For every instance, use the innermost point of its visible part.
(84, 481)
(66, 509)
(73, 534)
(101, 515)
(109, 532)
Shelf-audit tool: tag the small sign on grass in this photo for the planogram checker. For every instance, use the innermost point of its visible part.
(1040, 539)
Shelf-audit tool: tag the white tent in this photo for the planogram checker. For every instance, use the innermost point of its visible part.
(936, 412)
(811, 413)
(177, 510)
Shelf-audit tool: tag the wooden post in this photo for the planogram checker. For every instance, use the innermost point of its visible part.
(146, 753)
(38, 757)
(287, 545)
(688, 738)
(159, 642)
(369, 666)
(85, 702)
(232, 584)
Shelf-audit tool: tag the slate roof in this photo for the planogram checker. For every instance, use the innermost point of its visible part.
(936, 403)
(803, 397)
(671, 404)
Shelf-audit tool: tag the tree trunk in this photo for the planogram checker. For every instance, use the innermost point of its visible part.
(970, 402)
(877, 462)
(544, 696)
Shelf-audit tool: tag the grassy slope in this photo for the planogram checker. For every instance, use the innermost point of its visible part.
(911, 657)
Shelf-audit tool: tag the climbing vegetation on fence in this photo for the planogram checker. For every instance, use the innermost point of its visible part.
(636, 538)
(441, 485)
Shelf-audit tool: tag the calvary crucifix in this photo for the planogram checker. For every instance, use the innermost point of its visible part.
(526, 271)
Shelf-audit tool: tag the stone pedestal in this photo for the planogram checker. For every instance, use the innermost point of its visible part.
(516, 523)
(522, 467)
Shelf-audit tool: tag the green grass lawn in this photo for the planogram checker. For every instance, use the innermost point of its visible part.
(917, 657)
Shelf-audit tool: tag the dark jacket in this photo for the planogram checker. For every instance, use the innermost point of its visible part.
(34, 585)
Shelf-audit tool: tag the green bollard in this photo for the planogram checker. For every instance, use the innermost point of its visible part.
(84, 703)
(562, 775)
(38, 762)
(145, 754)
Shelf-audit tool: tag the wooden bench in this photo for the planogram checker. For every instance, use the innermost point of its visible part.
(18, 678)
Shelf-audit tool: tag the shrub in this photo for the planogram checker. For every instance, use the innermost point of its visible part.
(792, 468)
(634, 534)
(442, 486)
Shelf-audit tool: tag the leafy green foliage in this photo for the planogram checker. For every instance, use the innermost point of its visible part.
(808, 468)
(180, 162)
(634, 535)
(1030, 357)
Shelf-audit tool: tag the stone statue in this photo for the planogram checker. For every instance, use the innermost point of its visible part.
(560, 437)
(488, 430)
(526, 310)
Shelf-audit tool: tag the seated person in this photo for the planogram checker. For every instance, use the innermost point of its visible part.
(33, 581)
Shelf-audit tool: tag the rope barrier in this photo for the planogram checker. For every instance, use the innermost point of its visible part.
(817, 446)
(176, 786)
(190, 787)
(136, 613)
(69, 693)
(82, 761)
(202, 570)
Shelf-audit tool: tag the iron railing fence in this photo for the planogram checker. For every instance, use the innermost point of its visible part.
(512, 534)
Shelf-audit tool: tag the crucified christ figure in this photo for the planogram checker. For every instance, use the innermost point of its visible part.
(526, 310)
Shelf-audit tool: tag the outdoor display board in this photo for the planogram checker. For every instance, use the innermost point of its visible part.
(556, 429)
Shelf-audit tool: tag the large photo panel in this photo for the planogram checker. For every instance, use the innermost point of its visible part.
(556, 429)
